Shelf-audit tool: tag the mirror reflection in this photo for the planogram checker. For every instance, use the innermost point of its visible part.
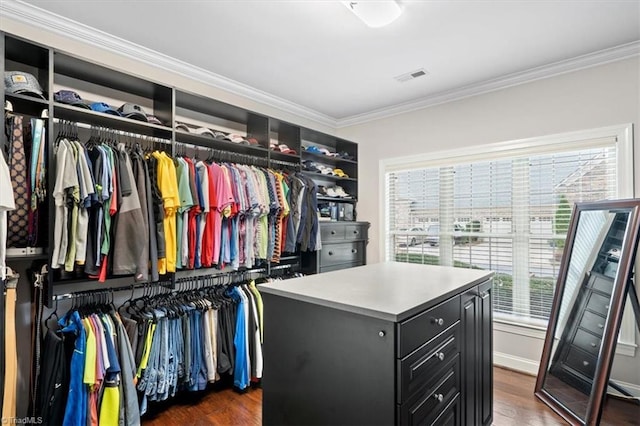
(584, 306)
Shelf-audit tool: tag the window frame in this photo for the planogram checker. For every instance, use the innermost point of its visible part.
(621, 135)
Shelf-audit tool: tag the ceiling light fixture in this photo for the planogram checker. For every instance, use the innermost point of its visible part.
(375, 13)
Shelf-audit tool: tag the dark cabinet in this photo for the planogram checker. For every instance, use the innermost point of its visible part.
(344, 245)
(477, 374)
(374, 345)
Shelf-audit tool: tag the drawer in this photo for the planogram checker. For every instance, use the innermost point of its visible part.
(451, 415)
(334, 254)
(338, 267)
(421, 328)
(581, 361)
(598, 304)
(602, 283)
(416, 370)
(355, 232)
(587, 341)
(331, 232)
(593, 322)
(429, 405)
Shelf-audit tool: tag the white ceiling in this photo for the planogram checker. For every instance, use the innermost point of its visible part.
(318, 55)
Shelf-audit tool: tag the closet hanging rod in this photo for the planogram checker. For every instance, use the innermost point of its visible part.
(165, 284)
(116, 131)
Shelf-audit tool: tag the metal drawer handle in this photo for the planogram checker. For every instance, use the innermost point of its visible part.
(439, 355)
(585, 363)
(600, 325)
(354, 251)
(437, 321)
(330, 253)
(438, 396)
(593, 345)
(333, 232)
(355, 232)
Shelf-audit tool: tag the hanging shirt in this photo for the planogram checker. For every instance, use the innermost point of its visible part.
(6, 203)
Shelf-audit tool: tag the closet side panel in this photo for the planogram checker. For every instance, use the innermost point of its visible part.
(326, 366)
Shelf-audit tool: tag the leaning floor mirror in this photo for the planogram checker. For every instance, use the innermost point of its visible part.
(594, 280)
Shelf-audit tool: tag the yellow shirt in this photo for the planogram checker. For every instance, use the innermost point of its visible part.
(90, 354)
(168, 185)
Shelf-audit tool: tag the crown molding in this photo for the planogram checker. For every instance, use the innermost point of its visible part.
(44, 20)
(41, 19)
(601, 57)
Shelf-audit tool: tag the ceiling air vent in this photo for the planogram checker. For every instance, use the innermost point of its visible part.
(411, 75)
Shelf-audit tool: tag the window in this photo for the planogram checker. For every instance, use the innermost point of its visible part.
(505, 208)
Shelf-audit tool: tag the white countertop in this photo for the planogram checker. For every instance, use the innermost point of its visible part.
(390, 291)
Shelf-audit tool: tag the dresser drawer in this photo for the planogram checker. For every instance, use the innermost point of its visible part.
(421, 328)
(334, 254)
(593, 322)
(355, 232)
(416, 370)
(451, 415)
(581, 361)
(598, 303)
(338, 267)
(587, 341)
(427, 406)
(601, 283)
(330, 232)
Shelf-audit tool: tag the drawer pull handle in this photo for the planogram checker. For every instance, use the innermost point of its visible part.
(354, 251)
(439, 397)
(437, 321)
(600, 325)
(593, 345)
(333, 232)
(439, 355)
(585, 363)
(355, 232)
(381, 333)
(330, 253)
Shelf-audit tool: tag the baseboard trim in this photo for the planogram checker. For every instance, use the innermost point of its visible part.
(516, 363)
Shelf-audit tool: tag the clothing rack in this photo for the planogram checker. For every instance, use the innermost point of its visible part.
(185, 149)
(70, 128)
(290, 164)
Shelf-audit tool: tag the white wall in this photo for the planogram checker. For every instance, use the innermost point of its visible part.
(591, 98)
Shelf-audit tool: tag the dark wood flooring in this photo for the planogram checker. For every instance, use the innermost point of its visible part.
(514, 404)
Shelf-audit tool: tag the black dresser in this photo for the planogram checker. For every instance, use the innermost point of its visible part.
(344, 245)
(388, 343)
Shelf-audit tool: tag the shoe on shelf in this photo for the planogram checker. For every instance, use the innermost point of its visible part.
(340, 192)
(339, 172)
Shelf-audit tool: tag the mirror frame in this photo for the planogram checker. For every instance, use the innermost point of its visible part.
(612, 323)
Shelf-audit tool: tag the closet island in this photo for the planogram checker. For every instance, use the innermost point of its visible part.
(387, 343)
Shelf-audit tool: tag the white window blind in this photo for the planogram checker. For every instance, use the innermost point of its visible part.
(510, 215)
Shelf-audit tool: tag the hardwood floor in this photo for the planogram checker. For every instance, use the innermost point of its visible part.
(514, 404)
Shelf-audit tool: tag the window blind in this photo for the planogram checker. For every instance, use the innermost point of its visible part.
(510, 215)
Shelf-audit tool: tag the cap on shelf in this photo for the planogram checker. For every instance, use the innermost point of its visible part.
(22, 83)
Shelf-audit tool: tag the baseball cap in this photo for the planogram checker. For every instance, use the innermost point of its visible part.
(313, 149)
(285, 149)
(183, 127)
(104, 107)
(71, 98)
(133, 111)
(236, 139)
(204, 132)
(219, 135)
(23, 83)
(154, 120)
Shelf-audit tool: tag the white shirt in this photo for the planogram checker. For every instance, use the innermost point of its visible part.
(6, 203)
